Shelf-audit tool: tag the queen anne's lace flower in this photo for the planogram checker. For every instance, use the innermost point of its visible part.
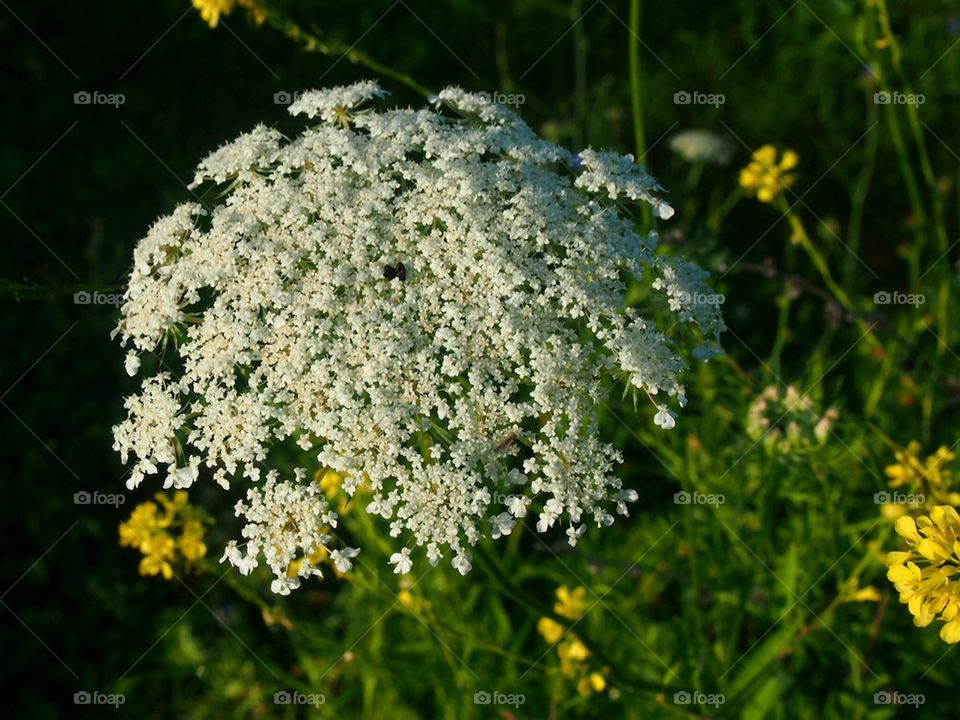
(286, 524)
(431, 301)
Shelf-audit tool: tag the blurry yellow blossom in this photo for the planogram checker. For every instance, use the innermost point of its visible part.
(172, 507)
(570, 602)
(191, 540)
(892, 511)
(550, 629)
(151, 532)
(211, 10)
(158, 550)
(907, 469)
(572, 653)
(930, 480)
(594, 682)
(412, 602)
(924, 575)
(142, 523)
(331, 482)
(765, 177)
(867, 594)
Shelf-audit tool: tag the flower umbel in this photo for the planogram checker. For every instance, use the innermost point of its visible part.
(787, 422)
(430, 301)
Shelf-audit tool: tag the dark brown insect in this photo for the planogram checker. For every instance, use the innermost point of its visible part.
(398, 271)
(506, 442)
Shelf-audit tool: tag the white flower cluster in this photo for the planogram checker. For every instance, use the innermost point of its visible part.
(432, 301)
(285, 524)
(702, 146)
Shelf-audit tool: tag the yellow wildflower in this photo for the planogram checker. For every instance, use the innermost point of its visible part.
(867, 594)
(331, 482)
(765, 177)
(151, 532)
(924, 575)
(142, 523)
(158, 550)
(415, 604)
(191, 540)
(172, 507)
(570, 602)
(211, 10)
(594, 682)
(892, 511)
(572, 654)
(551, 630)
(930, 478)
(907, 469)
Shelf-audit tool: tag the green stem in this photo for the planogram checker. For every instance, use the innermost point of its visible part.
(314, 43)
(636, 99)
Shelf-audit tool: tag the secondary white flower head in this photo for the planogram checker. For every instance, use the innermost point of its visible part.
(286, 524)
(431, 301)
(702, 146)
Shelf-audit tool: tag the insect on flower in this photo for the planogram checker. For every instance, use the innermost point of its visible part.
(398, 271)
